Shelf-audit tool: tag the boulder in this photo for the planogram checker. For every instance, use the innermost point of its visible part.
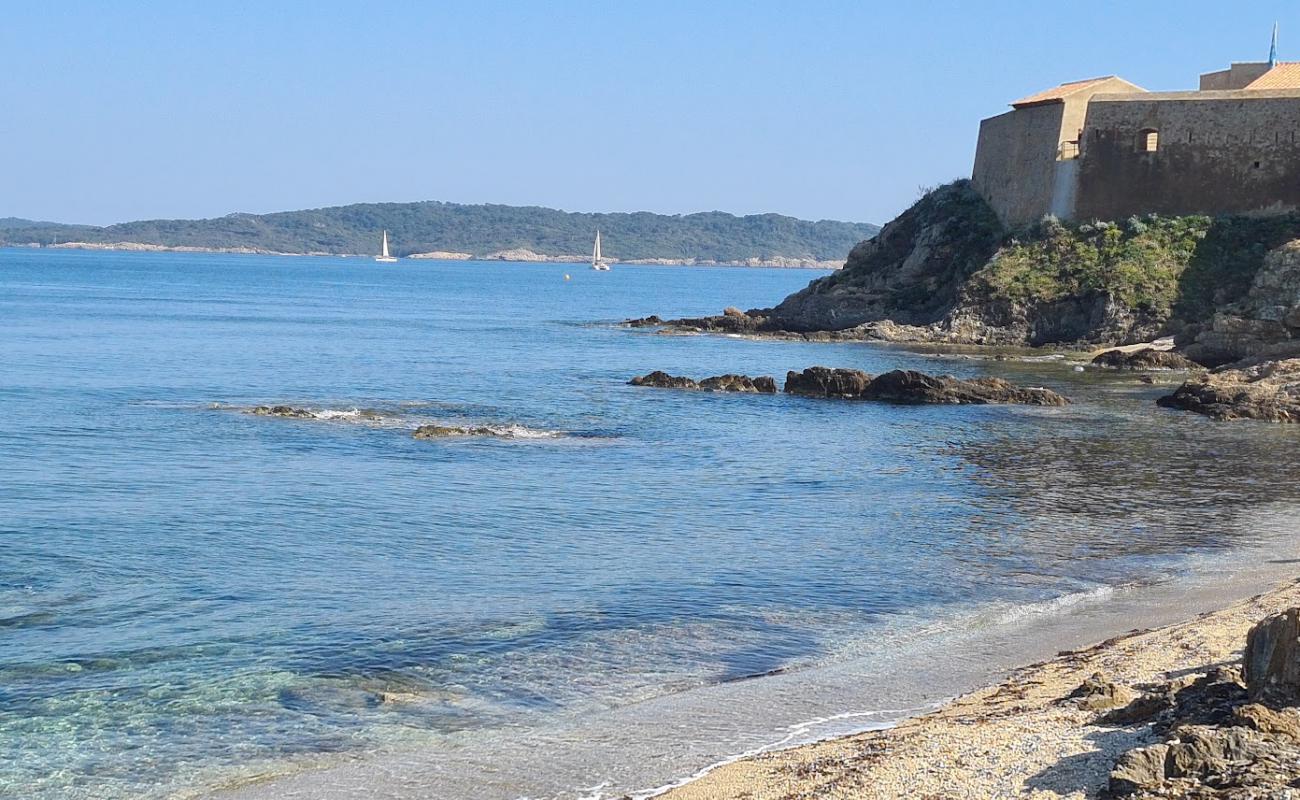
(1139, 770)
(644, 322)
(1284, 722)
(1268, 390)
(739, 383)
(1146, 358)
(662, 380)
(827, 382)
(1098, 694)
(718, 383)
(909, 386)
(1271, 661)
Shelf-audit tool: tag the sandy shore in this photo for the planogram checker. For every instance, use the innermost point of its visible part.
(1018, 738)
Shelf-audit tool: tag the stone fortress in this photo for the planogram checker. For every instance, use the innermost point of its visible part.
(1107, 149)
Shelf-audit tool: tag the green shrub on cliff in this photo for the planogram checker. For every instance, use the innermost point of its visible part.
(1183, 267)
(1138, 262)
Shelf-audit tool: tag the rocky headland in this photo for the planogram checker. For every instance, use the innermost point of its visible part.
(1224, 290)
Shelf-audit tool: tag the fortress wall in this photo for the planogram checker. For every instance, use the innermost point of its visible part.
(1216, 155)
(1015, 162)
(1238, 76)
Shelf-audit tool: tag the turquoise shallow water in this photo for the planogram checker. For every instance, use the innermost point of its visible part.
(187, 589)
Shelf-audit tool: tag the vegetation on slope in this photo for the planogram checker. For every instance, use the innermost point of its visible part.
(1171, 267)
(479, 230)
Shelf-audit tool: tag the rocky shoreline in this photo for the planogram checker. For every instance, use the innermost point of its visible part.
(1165, 713)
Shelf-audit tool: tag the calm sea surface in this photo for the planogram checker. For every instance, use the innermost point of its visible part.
(191, 594)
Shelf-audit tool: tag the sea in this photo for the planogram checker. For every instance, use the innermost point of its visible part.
(609, 590)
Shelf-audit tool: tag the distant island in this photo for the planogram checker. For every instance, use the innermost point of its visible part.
(455, 231)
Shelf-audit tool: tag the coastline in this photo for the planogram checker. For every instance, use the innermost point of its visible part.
(512, 256)
(1021, 736)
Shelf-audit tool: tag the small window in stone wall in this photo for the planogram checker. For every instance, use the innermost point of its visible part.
(1148, 140)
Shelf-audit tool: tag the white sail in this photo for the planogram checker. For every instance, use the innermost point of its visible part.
(383, 251)
(597, 262)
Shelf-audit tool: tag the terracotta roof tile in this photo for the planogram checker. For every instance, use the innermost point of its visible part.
(1059, 93)
(1286, 75)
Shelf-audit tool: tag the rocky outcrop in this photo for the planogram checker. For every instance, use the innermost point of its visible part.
(1147, 358)
(718, 383)
(1265, 324)
(1226, 734)
(911, 272)
(1269, 390)
(827, 382)
(911, 387)
(1271, 660)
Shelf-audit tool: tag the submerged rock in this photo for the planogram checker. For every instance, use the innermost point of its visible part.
(1268, 390)
(911, 387)
(282, 411)
(451, 431)
(719, 383)
(1146, 358)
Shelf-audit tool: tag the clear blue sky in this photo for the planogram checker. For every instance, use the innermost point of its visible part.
(112, 111)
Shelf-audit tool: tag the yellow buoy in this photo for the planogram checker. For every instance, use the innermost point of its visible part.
(566, 276)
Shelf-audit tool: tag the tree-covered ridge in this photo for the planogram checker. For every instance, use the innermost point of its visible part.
(479, 230)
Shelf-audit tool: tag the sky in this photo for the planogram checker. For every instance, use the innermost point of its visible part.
(114, 110)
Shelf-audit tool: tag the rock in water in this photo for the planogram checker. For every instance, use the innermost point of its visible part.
(1268, 390)
(911, 387)
(450, 431)
(718, 383)
(1146, 358)
(662, 380)
(283, 411)
(1271, 661)
(827, 382)
(739, 383)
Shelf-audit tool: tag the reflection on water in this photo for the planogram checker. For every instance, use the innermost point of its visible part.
(186, 591)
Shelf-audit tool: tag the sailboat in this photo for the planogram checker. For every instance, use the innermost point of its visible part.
(598, 263)
(383, 254)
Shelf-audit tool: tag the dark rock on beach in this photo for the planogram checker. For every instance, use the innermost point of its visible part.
(1227, 733)
(1271, 661)
(718, 383)
(1268, 390)
(911, 387)
(1146, 358)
